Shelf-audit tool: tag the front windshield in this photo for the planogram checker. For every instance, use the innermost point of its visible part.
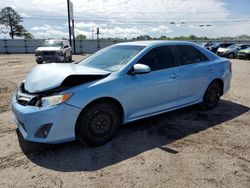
(233, 46)
(112, 58)
(51, 43)
(215, 44)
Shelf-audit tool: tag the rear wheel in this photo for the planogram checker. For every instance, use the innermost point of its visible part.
(98, 124)
(212, 96)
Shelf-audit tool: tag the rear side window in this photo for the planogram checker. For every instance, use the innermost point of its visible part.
(243, 47)
(159, 58)
(189, 55)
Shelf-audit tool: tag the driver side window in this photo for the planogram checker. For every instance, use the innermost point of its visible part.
(158, 58)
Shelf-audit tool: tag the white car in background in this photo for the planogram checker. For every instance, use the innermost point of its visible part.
(231, 51)
(54, 50)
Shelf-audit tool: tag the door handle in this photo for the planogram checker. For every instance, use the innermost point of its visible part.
(174, 75)
(209, 68)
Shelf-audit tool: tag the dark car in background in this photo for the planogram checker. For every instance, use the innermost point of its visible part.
(216, 46)
(207, 44)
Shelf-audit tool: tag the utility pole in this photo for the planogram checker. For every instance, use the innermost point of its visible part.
(97, 37)
(71, 24)
(74, 39)
(92, 33)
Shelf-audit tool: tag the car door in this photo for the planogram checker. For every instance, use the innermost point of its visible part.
(242, 47)
(194, 69)
(157, 90)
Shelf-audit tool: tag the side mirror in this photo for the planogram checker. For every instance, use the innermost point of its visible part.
(66, 46)
(139, 69)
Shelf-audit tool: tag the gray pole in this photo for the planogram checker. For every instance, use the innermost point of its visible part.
(69, 23)
(74, 40)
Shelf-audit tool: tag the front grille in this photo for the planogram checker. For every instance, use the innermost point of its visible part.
(24, 98)
(49, 52)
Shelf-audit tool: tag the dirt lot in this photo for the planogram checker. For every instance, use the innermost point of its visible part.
(184, 148)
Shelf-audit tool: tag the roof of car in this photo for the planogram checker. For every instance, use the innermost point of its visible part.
(153, 42)
(242, 44)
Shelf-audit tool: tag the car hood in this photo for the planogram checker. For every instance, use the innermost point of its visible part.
(222, 49)
(49, 76)
(51, 48)
(245, 50)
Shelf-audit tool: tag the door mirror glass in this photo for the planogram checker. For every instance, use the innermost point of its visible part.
(141, 69)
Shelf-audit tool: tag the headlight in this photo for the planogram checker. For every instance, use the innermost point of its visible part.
(55, 100)
(37, 53)
(59, 52)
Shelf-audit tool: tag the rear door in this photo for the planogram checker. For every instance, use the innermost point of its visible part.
(194, 69)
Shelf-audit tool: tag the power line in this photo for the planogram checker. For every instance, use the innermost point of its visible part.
(138, 18)
(142, 22)
(139, 12)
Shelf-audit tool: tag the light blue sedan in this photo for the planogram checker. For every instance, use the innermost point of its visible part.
(122, 83)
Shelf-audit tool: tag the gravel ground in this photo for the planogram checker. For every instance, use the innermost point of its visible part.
(184, 148)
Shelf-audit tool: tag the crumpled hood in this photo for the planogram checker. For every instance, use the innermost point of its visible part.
(49, 76)
(51, 48)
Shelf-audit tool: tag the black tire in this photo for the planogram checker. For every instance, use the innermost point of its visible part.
(70, 58)
(39, 62)
(64, 59)
(231, 55)
(211, 96)
(98, 124)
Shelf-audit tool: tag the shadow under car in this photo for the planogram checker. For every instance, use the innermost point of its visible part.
(131, 140)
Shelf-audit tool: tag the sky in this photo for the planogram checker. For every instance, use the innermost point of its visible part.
(130, 18)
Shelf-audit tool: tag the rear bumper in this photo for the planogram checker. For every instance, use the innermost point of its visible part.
(62, 118)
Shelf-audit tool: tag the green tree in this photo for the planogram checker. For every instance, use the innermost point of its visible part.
(28, 35)
(192, 37)
(144, 37)
(164, 38)
(80, 37)
(11, 20)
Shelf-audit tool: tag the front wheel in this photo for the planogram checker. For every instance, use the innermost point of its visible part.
(98, 124)
(231, 55)
(39, 61)
(64, 58)
(70, 58)
(212, 96)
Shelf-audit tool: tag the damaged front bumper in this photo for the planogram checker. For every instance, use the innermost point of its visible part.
(55, 124)
(50, 58)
